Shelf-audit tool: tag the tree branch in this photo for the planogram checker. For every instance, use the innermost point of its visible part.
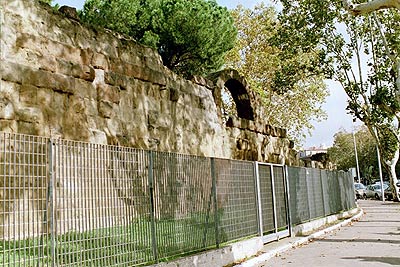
(368, 7)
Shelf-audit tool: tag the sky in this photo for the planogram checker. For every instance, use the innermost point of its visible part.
(335, 106)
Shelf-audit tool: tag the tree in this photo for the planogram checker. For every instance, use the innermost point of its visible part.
(192, 37)
(342, 152)
(261, 63)
(362, 53)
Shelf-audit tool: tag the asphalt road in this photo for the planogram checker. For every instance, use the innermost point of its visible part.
(374, 240)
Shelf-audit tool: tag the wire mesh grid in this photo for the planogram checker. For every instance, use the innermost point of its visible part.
(280, 197)
(184, 204)
(325, 191)
(24, 201)
(334, 193)
(236, 196)
(347, 197)
(66, 203)
(317, 197)
(267, 204)
(102, 205)
(299, 206)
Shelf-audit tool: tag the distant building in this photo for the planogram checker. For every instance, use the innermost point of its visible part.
(315, 157)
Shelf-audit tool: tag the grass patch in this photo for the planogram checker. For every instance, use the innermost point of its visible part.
(129, 245)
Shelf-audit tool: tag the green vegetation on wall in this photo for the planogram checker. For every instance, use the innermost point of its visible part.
(192, 37)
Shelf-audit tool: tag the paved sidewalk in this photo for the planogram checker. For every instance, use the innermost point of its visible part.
(374, 240)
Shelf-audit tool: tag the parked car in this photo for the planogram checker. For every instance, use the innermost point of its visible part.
(359, 190)
(374, 191)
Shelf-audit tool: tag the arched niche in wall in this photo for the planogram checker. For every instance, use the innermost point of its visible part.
(241, 98)
(237, 87)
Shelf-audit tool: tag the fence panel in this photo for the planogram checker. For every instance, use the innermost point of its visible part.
(280, 197)
(236, 199)
(102, 205)
(267, 204)
(184, 207)
(347, 192)
(25, 237)
(299, 206)
(318, 198)
(325, 191)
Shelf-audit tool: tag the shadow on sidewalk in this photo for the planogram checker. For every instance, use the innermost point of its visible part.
(388, 260)
(361, 241)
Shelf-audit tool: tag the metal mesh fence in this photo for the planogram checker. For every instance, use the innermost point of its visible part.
(315, 193)
(67, 203)
(298, 190)
(101, 205)
(280, 196)
(24, 202)
(267, 202)
(184, 204)
(236, 195)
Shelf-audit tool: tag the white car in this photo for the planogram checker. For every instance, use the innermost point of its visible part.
(374, 191)
(359, 190)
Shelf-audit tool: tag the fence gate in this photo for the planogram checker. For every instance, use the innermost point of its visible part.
(273, 208)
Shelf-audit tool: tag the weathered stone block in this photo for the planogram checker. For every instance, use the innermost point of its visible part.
(116, 79)
(244, 124)
(9, 126)
(85, 89)
(86, 56)
(105, 108)
(108, 93)
(28, 128)
(12, 72)
(28, 94)
(75, 70)
(173, 94)
(100, 61)
(7, 111)
(30, 114)
(98, 137)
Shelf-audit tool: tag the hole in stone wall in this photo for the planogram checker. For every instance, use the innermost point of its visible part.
(240, 98)
(228, 105)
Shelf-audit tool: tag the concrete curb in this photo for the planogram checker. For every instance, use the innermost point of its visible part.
(302, 240)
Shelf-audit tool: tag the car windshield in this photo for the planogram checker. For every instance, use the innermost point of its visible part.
(378, 186)
(359, 186)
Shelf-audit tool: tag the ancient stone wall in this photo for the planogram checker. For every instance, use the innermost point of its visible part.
(60, 78)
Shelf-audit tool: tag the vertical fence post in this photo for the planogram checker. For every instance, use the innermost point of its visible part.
(51, 200)
(274, 199)
(322, 192)
(214, 192)
(308, 194)
(288, 207)
(153, 217)
(258, 198)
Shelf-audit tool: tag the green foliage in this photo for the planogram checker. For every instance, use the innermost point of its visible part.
(46, 1)
(359, 52)
(269, 71)
(342, 153)
(192, 37)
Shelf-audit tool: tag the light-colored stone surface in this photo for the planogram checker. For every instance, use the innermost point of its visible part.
(76, 80)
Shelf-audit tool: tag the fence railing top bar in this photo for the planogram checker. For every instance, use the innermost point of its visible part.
(26, 136)
(270, 164)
